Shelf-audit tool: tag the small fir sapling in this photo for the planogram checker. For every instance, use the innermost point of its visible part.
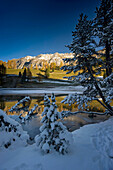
(11, 132)
(54, 135)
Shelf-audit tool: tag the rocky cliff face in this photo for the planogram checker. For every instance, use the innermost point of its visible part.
(41, 59)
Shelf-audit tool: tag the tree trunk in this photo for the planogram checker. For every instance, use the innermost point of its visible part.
(100, 92)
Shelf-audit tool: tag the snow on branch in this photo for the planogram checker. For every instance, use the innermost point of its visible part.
(68, 113)
(81, 101)
(89, 63)
(109, 79)
(11, 132)
(108, 84)
(25, 108)
(69, 59)
(33, 109)
(29, 115)
(16, 108)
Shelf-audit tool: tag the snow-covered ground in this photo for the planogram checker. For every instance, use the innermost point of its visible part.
(56, 90)
(55, 82)
(92, 150)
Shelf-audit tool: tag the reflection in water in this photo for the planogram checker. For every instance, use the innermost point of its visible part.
(32, 126)
(2, 103)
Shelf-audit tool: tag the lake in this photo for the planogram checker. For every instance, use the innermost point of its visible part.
(32, 126)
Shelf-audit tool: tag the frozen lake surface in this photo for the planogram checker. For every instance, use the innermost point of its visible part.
(40, 91)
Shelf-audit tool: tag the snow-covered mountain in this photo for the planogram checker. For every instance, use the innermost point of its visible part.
(42, 59)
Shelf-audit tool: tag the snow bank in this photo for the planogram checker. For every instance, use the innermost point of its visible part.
(11, 132)
(99, 137)
(103, 142)
(91, 150)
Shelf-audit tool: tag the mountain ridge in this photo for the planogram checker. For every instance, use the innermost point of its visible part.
(40, 60)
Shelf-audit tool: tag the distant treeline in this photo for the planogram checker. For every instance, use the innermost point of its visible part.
(9, 64)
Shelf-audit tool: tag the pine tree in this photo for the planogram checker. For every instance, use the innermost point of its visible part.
(2, 73)
(54, 135)
(20, 74)
(103, 26)
(47, 72)
(28, 74)
(87, 65)
(24, 76)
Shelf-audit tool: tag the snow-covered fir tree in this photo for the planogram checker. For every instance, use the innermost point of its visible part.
(103, 28)
(11, 132)
(54, 135)
(87, 67)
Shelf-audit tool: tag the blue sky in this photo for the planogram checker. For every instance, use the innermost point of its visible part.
(33, 27)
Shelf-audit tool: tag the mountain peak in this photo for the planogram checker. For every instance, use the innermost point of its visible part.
(40, 60)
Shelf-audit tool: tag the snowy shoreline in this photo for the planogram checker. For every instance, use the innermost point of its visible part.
(92, 149)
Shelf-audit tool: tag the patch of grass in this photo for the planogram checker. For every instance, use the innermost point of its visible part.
(35, 72)
(14, 71)
(97, 107)
(57, 74)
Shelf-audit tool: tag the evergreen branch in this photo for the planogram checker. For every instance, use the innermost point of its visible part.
(68, 113)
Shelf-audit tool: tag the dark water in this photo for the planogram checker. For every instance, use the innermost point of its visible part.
(32, 126)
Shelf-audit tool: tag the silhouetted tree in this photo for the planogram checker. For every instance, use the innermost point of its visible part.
(24, 75)
(28, 74)
(103, 26)
(2, 73)
(20, 74)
